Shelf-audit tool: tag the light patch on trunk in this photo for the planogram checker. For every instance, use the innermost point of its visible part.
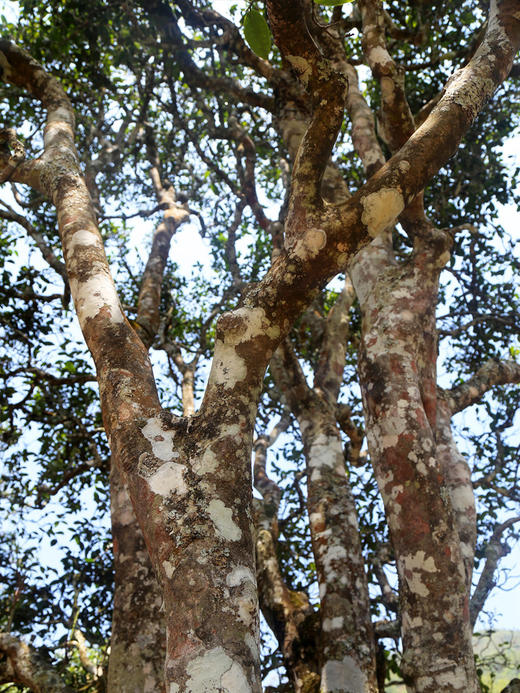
(215, 671)
(381, 209)
(169, 569)
(228, 367)
(333, 553)
(310, 245)
(387, 88)
(239, 574)
(126, 516)
(82, 237)
(463, 498)
(248, 604)
(161, 440)
(93, 295)
(169, 478)
(412, 567)
(222, 518)
(301, 67)
(332, 623)
(206, 464)
(378, 55)
(372, 156)
(323, 452)
(335, 675)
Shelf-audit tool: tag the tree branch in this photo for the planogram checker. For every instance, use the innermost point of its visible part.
(489, 375)
(495, 550)
(25, 666)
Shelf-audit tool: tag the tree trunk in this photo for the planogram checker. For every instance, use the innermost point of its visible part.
(138, 639)
(397, 376)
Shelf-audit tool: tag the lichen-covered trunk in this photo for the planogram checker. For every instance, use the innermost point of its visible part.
(348, 646)
(289, 613)
(347, 639)
(138, 638)
(396, 365)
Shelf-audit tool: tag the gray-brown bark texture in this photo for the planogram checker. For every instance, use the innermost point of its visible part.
(189, 477)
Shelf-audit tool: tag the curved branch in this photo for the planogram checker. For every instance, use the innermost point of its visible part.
(125, 365)
(24, 665)
(492, 373)
(495, 550)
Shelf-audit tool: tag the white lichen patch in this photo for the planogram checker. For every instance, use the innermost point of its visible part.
(161, 440)
(222, 518)
(215, 671)
(332, 623)
(91, 296)
(228, 368)
(463, 498)
(412, 567)
(168, 568)
(301, 67)
(332, 555)
(240, 574)
(324, 452)
(336, 673)
(248, 604)
(206, 464)
(381, 209)
(310, 245)
(169, 478)
(82, 237)
(378, 55)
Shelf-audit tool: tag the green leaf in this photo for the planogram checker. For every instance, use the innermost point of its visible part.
(332, 3)
(257, 33)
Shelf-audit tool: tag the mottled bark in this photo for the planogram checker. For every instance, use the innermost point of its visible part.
(457, 475)
(138, 637)
(495, 550)
(396, 122)
(489, 375)
(347, 639)
(289, 613)
(148, 315)
(22, 664)
(397, 360)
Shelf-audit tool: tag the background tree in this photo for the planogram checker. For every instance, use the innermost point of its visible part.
(267, 154)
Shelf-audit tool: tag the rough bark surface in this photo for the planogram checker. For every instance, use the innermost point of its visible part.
(138, 637)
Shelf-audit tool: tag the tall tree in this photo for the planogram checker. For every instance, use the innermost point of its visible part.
(295, 172)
